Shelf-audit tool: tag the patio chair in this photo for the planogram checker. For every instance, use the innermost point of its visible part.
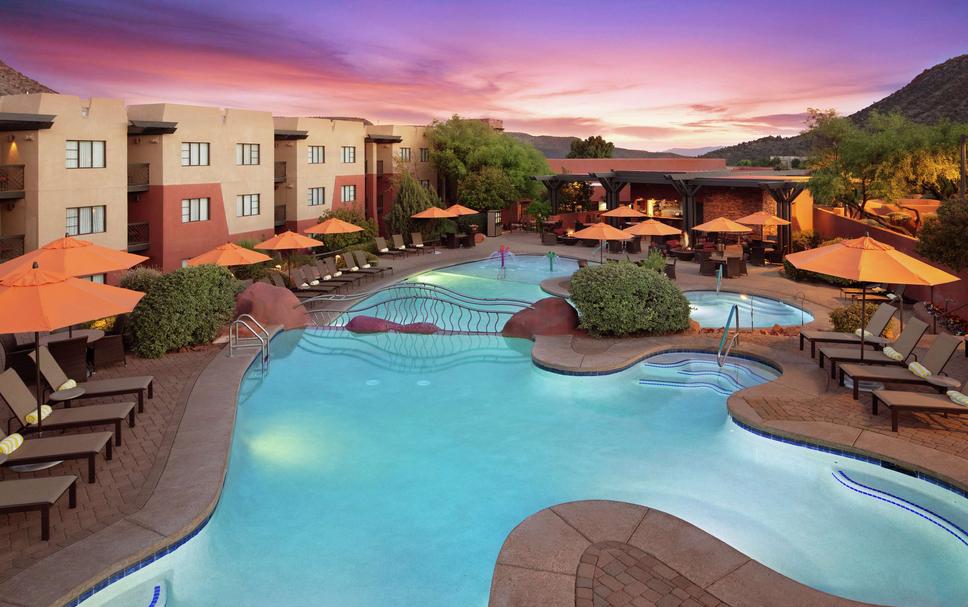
(707, 267)
(23, 403)
(875, 326)
(306, 275)
(140, 385)
(382, 248)
(66, 447)
(109, 350)
(916, 402)
(847, 292)
(360, 262)
(71, 355)
(735, 267)
(416, 239)
(935, 360)
(341, 275)
(757, 256)
(28, 494)
(904, 345)
(400, 245)
(670, 267)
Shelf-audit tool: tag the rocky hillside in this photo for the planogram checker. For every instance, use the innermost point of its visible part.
(13, 82)
(940, 92)
(558, 147)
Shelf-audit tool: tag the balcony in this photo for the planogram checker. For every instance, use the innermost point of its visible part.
(280, 215)
(280, 171)
(11, 246)
(11, 181)
(138, 237)
(138, 177)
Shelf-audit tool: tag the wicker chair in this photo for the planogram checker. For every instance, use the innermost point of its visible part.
(71, 355)
(109, 350)
(670, 267)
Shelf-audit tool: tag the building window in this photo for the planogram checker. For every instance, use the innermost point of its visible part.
(317, 154)
(84, 155)
(348, 154)
(85, 220)
(195, 209)
(98, 278)
(246, 153)
(247, 204)
(347, 193)
(317, 196)
(424, 154)
(405, 155)
(425, 183)
(194, 154)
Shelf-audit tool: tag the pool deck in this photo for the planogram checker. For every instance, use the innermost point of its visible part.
(166, 478)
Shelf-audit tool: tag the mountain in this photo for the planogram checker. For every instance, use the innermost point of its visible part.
(13, 82)
(558, 147)
(939, 92)
(692, 151)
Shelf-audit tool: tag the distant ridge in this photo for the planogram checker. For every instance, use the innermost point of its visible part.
(13, 82)
(937, 93)
(558, 147)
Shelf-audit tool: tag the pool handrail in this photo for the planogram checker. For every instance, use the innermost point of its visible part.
(726, 346)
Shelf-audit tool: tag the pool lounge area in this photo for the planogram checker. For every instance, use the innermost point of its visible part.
(671, 445)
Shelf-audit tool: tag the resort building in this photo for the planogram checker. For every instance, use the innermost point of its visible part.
(63, 170)
(318, 168)
(391, 149)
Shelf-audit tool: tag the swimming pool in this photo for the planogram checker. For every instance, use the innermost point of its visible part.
(388, 469)
(711, 309)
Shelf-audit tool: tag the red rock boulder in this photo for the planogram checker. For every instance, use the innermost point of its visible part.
(548, 316)
(271, 306)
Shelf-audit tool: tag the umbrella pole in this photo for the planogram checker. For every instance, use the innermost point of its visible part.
(38, 389)
(863, 317)
(934, 315)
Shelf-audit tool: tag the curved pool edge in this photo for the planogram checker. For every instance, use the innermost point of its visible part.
(550, 559)
(182, 502)
(557, 354)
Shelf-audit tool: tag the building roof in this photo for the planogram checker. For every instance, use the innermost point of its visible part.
(665, 165)
(151, 127)
(10, 121)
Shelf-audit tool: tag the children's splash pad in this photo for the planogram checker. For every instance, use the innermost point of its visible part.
(503, 258)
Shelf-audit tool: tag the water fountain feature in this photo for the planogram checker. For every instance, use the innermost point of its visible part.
(505, 258)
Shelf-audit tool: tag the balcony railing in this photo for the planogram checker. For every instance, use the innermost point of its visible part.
(280, 215)
(11, 246)
(280, 171)
(11, 181)
(138, 177)
(138, 237)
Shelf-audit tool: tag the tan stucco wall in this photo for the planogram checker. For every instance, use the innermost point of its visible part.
(413, 137)
(222, 129)
(301, 176)
(49, 187)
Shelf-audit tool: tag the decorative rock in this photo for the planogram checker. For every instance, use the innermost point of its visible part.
(548, 316)
(271, 305)
(369, 324)
(423, 328)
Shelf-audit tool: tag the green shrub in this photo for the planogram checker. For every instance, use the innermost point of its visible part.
(140, 279)
(847, 319)
(337, 242)
(803, 240)
(184, 308)
(623, 298)
(254, 271)
(655, 261)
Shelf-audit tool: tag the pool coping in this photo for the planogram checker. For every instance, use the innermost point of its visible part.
(799, 374)
(182, 502)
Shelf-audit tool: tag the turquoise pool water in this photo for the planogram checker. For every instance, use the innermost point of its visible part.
(711, 309)
(388, 470)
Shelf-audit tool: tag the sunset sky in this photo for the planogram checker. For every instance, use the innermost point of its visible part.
(650, 75)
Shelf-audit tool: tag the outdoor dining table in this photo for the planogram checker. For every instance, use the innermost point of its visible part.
(92, 336)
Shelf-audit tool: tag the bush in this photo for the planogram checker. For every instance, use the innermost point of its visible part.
(184, 308)
(623, 298)
(140, 279)
(803, 240)
(847, 319)
(655, 261)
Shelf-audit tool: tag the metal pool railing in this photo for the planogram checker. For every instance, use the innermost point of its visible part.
(415, 302)
(727, 341)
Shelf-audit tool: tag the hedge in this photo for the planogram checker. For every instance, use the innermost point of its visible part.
(186, 307)
(140, 279)
(623, 299)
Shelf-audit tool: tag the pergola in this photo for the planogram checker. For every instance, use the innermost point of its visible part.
(783, 187)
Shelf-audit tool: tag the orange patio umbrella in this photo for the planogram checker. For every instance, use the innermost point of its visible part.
(288, 241)
(601, 232)
(867, 260)
(35, 299)
(333, 225)
(762, 219)
(650, 228)
(434, 213)
(459, 209)
(229, 254)
(73, 257)
(722, 225)
(624, 212)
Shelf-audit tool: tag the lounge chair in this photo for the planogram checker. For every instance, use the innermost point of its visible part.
(71, 355)
(382, 248)
(344, 275)
(140, 385)
(306, 275)
(28, 494)
(904, 345)
(23, 403)
(326, 267)
(416, 239)
(934, 360)
(59, 448)
(916, 402)
(875, 326)
(400, 245)
(277, 280)
(360, 263)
